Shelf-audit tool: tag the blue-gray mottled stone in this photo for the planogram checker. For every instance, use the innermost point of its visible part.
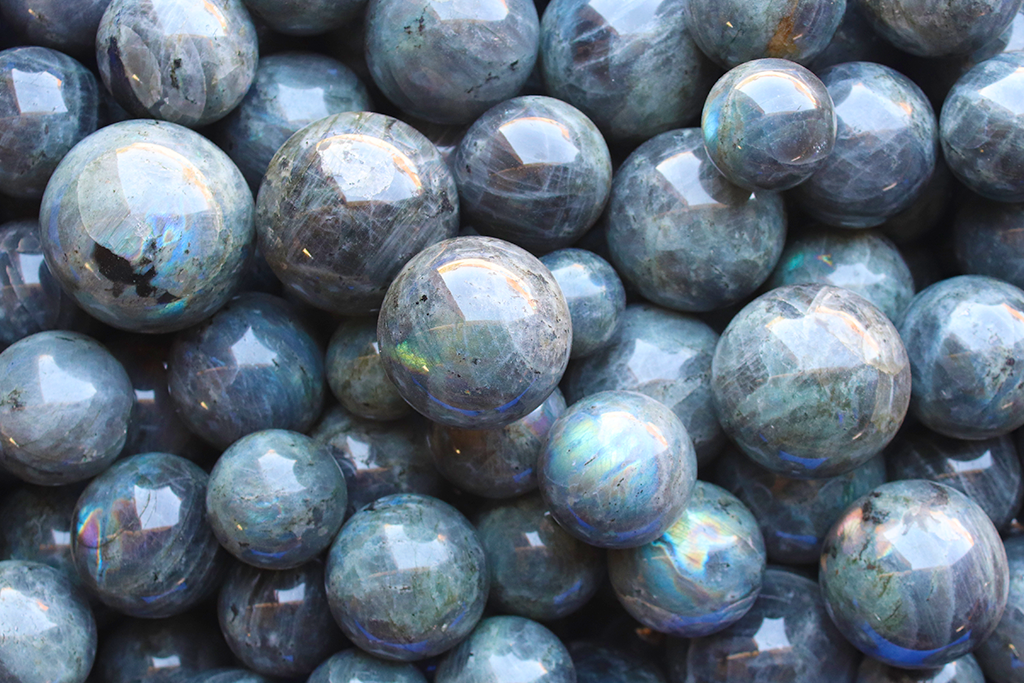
(66, 26)
(595, 296)
(508, 650)
(989, 239)
(227, 676)
(356, 666)
(854, 41)
(999, 656)
(599, 663)
(356, 374)
(161, 651)
(962, 670)
(37, 527)
(305, 17)
(935, 29)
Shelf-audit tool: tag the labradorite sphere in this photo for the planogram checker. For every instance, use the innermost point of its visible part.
(999, 656)
(988, 238)
(914, 574)
(37, 526)
(305, 17)
(962, 670)
(508, 650)
(475, 333)
(148, 226)
(595, 296)
(937, 29)
(355, 373)
(228, 676)
(811, 381)
(161, 650)
(66, 26)
(355, 666)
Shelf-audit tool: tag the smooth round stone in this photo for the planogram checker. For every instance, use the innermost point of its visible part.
(682, 234)
(227, 676)
(290, 91)
(355, 666)
(187, 63)
(161, 651)
(982, 132)
(449, 63)
(495, 463)
(964, 336)
(631, 67)
(37, 527)
(305, 17)
(999, 655)
(141, 542)
(810, 381)
(795, 515)
(275, 500)
(475, 333)
(618, 469)
(854, 41)
(148, 226)
(48, 102)
(596, 663)
(407, 577)
(595, 296)
(786, 636)
(65, 403)
(534, 171)
(989, 239)
(937, 29)
(768, 124)
(962, 670)
(885, 151)
(951, 568)
(537, 570)
(47, 632)
(65, 26)
(346, 202)
(665, 355)
(253, 366)
(355, 373)
(277, 622)
(864, 262)
(508, 650)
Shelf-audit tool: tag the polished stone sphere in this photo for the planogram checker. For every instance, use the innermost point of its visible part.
(617, 469)
(450, 61)
(599, 663)
(595, 296)
(682, 234)
(508, 650)
(407, 577)
(962, 670)
(988, 239)
(161, 651)
(999, 655)
(950, 567)
(346, 202)
(37, 527)
(356, 374)
(47, 632)
(185, 62)
(225, 675)
(305, 17)
(141, 541)
(66, 26)
(48, 103)
(965, 339)
(811, 381)
(148, 226)
(936, 29)
(65, 404)
(355, 666)
(854, 41)
(768, 124)
(276, 499)
(475, 333)
(885, 151)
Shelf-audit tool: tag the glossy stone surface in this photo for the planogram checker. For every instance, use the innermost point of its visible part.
(449, 63)
(936, 29)
(962, 670)
(595, 296)
(346, 202)
(617, 469)
(141, 542)
(160, 651)
(407, 577)
(68, 27)
(65, 403)
(276, 499)
(811, 381)
(508, 650)
(965, 336)
(596, 663)
(148, 226)
(795, 515)
(48, 102)
(885, 151)
(981, 130)
(951, 566)
(291, 90)
(999, 656)
(187, 63)
(475, 333)
(768, 124)
(356, 374)
(864, 262)
(228, 676)
(355, 666)
(37, 527)
(252, 366)
(534, 171)
(305, 17)
(989, 239)
(854, 41)
(47, 632)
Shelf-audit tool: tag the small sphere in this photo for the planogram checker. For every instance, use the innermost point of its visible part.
(356, 666)
(508, 650)
(37, 527)
(355, 373)
(161, 651)
(989, 239)
(65, 404)
(595, 296)
(999, 655)
(769, 124)
(64, 26)
(936, 29)
(962, 670)
(276, 499)
(617, 469)
(407, 577)
(305, 17)
(187, 63)
(475, 333)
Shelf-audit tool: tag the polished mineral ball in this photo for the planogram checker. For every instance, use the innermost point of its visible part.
(305, 17)
(407, 577)
(37, 527)
(965, 339)
(508, 650)
(854, 41)
(276, 499)
(66, 26)
(811, 381)
(962, 670)
(161, 650)
(148, 226)
(999, 656)
(600, 663)
(617, 469)
(141, 542)
(185, 62)
(65, 404)
(769, 124)
(228, 676)
(595, 296)
(682, 234)
(355, 666)
(988, 239)
(346, 202)
(355, 373)
(936, 29)
(951, 569)
(47, 631)
(475, 333)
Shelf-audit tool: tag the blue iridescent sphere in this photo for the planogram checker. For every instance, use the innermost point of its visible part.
(508, 650)
(936, 29)
(356, 376)
(999, 655)
(355, 666)
(595, 296)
